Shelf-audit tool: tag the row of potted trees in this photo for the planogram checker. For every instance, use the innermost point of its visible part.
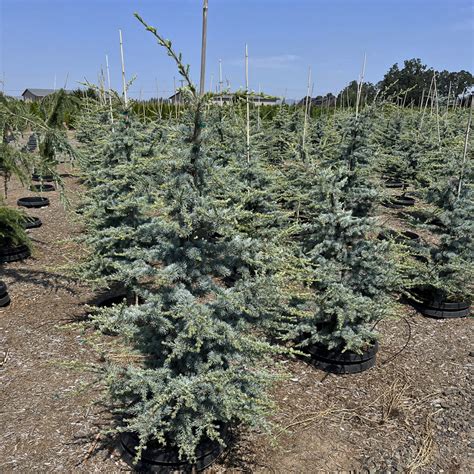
(177, 215)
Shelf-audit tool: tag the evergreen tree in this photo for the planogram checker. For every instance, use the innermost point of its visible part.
(350, 273)
(198, 332)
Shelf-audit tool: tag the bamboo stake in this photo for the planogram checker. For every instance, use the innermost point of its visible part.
(160, 102)
(203, 48)
(361, 82)
(466, 141)
(110, 91)
(220, 81)
(426, 104)
(259, 106)
(306, 108)
(247, 100)
(437, 108)
(422, 99)
(449, 95)
(124, 83)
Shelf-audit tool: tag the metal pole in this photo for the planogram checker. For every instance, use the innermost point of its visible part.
(203, 48)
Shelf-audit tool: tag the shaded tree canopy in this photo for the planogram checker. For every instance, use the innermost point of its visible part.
(414, 77)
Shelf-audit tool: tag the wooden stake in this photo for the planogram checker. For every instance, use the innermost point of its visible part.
(124, 82)
(202, 85)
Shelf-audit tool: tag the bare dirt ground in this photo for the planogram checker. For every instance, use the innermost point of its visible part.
(412, 412)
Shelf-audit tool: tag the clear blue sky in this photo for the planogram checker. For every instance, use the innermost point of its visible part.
(44, 38)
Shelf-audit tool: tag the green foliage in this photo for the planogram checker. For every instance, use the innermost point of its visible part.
(351, 278)
(12, 230)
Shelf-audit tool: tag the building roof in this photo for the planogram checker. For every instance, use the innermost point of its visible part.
(42, 92)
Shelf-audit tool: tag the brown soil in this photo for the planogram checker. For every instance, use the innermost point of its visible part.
(410, 413)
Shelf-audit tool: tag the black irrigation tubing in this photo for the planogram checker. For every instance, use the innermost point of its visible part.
(390, 359)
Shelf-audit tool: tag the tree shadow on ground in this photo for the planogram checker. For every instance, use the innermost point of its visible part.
(41, 278)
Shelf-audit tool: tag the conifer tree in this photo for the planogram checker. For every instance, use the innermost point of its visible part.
(449, 271)
(198, 332)
(350, 273)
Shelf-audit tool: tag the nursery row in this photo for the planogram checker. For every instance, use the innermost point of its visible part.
(228, 252)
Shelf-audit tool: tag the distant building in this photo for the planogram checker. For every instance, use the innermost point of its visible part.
(38, 94)
(226, 98)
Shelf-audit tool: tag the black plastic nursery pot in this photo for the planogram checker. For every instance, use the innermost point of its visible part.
(13, 253)
(32, 222)
(337, 362)
(113, 298)
(4, 296)
(432, 304)
(399, 202)
(33, 202)
(42, 188)
(394, 184)
(45, 178)
(155, 458)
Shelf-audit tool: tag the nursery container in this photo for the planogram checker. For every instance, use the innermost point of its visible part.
(399, 202)
(155, 458)
(394, 184)
(4, 296)
(33, 201)
(42, 188)
(433, 305)
(32, 222)
(45, 178)
(337, 362)
(13, 253)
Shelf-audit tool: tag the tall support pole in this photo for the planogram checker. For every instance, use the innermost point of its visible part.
(247, 99)
(124, 83)
(110, 89)
(202, 85)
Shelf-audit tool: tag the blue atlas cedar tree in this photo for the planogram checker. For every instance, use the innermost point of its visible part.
(195, 329)
(351, 277)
